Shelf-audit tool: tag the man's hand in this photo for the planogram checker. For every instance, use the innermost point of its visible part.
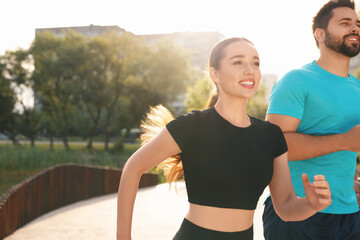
(357, 191)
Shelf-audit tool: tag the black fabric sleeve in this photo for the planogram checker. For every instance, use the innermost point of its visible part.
(182, 129)
(281, 145)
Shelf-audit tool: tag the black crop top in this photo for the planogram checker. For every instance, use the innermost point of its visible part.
(225, 165)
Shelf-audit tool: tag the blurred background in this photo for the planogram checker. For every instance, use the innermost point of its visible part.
(77, 77)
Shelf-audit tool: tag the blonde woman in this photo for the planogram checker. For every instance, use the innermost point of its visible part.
(227, 158)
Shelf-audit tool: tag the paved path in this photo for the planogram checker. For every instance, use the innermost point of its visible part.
(157, 216)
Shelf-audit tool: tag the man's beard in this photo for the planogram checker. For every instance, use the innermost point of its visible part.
(340, 46)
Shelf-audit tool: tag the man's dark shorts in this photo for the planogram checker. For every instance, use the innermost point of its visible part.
(320, 226)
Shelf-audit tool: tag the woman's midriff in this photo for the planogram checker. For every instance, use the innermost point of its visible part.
(220, 219)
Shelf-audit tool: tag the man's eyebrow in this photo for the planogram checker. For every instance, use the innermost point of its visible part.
(348, 19)
(345, 19)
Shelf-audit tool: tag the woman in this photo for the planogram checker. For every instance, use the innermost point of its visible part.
(228, 158)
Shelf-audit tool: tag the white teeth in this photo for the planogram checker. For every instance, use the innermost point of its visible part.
(247, 83)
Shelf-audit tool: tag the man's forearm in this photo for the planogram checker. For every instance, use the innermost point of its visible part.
(302, 146)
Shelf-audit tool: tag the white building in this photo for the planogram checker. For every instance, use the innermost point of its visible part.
(88, 31)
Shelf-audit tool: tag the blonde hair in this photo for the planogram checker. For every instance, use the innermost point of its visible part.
(155, 120)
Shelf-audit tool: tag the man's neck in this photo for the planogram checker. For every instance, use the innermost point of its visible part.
(334, 63)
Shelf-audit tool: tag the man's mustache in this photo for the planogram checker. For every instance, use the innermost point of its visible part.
(352, 34)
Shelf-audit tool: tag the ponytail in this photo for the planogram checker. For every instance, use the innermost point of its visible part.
(155, 120)
(212, 99)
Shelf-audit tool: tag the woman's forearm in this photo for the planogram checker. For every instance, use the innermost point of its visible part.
(125, 203)
(295, 209)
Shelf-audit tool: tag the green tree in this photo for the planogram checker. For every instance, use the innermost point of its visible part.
(81, 121)
(257, 105)
(47, 128)
(58, 61)
(16, 71)
(95, 81)
(119, 58)
(167, 70)
(132, 106)
(30, 123)
(8, 117)
(105, 83)
(198, 94)
(111, 60)
(20, 66)
(158, 74)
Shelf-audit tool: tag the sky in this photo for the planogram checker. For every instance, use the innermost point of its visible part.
(280, 29)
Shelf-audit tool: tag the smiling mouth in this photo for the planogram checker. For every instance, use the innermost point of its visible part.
(247, 83)
(353, 39)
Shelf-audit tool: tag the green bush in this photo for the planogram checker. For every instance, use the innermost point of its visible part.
(16, 164)
(118, 145)
(38, 158)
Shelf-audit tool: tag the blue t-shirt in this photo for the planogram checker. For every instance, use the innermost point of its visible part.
(326, 104)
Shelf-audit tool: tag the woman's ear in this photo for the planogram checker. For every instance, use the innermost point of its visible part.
(214, 74)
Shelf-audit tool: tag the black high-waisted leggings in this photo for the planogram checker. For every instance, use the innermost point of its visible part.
(190, 231)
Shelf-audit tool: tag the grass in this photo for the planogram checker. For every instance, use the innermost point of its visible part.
(60, 145)
(9, 178)
(17, 164)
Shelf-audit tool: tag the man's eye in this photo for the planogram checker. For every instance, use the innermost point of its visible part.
(238, 62)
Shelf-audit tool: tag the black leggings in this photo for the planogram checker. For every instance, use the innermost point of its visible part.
(190, 231)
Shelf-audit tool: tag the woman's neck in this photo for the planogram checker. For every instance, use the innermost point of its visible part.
(234, 111)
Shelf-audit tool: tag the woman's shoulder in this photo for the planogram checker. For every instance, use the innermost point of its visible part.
(187, 120)
(265, 124)
(197, 114)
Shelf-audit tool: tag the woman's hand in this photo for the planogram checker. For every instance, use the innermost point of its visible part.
(318, 194)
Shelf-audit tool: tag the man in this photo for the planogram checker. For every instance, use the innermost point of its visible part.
(318, 109)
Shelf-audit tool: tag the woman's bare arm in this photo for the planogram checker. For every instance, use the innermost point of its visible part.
(287, 205)
(148, 156)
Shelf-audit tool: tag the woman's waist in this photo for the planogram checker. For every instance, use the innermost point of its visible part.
(220, 219)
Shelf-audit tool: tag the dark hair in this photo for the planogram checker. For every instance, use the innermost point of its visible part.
(214, 97)
(322, 18)
(216, 55)
(218, 51)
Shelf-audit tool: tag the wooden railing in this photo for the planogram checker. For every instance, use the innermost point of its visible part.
(55, 188)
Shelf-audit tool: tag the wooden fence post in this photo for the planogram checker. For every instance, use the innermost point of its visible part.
(56, 187)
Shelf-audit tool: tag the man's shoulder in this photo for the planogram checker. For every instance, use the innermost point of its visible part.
(302, 72)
